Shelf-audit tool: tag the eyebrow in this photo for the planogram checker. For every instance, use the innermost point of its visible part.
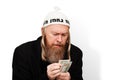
(62, 32)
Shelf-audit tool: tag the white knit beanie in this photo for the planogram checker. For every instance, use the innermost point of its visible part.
(56, 17)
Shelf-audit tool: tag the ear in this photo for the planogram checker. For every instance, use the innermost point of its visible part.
(42, 30)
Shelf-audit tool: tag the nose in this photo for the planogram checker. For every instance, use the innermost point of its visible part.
(59, 39)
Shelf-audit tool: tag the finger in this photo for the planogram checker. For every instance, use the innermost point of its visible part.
(64, 76)
(53, 67)
(54, 73)
(53, 77)
(55, 64)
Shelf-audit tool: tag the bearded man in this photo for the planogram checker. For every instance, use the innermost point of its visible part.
(38, 59)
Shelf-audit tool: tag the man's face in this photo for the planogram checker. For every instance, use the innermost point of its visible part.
(56, 37)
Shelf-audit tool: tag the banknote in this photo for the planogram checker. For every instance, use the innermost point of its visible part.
(65, 65)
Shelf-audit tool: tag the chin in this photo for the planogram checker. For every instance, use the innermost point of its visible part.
(57, 46)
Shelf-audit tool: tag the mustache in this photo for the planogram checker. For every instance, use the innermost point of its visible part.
(61, 45)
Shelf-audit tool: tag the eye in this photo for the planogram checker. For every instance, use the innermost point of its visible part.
(64, 35)
(55, 34)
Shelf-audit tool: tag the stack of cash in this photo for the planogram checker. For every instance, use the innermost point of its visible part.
(65, 65)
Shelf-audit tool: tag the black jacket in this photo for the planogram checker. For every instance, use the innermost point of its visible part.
(28, 65)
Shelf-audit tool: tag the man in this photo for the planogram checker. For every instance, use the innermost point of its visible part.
(39, 59)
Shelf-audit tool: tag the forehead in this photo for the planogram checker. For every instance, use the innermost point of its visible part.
(57, 28)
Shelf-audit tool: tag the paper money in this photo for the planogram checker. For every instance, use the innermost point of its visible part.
(65, 65)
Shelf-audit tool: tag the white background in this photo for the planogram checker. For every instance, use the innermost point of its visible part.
(94, 28)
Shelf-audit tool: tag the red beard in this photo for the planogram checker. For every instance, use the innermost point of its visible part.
(54, 53)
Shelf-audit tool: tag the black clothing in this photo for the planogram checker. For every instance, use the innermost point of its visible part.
(28, 64)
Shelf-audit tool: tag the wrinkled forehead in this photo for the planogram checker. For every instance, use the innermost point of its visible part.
(57, 28)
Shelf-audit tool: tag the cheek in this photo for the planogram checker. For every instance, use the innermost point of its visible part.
(65, 41)
(50, 40)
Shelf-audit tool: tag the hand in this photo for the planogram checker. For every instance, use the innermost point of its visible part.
(53, 70)
(64, 76)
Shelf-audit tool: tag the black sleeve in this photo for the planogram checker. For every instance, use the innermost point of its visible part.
(76, 67)
(25, 69)
(20, 65)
